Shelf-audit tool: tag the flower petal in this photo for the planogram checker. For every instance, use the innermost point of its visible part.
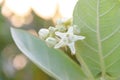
(78, 37)
(70, 30)
(60, 44)
(72, 47)
(60, 34)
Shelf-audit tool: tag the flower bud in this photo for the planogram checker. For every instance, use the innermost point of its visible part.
(64, 21)
(61, 28)
(51, 42)
(43, 33)
(60, 21)
(52, 29)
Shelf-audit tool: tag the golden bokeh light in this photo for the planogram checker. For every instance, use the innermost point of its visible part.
(28, 18)
(66, 7)
(19, 21)
(44, 8)
(19, 62)
(18, 10)
(1, 1)
(6, 11)
(19, 7)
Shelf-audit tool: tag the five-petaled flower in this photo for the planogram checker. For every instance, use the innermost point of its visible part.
(68, 39)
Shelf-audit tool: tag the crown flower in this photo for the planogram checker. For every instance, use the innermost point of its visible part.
(63, 34)
(69, 39)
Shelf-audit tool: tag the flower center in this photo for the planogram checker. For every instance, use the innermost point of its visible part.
(69, 38)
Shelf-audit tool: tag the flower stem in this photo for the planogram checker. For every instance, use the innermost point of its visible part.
(85, 68)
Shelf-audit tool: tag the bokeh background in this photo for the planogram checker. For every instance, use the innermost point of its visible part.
(30, 15)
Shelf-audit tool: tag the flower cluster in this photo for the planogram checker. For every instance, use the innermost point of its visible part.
(63, 34)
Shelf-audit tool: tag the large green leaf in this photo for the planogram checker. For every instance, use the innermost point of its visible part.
(54, 62)
(99, 22)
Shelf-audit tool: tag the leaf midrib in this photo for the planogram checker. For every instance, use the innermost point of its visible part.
(102, 65)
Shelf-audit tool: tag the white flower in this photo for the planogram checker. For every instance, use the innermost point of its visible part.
(52, 29)
(68, 39)
(43, 33)
(50, 41)
(61, 21)
(61, 28)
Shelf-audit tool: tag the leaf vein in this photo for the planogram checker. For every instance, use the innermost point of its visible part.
(107, 11)
(92, 48)
(91, 6)
(109, 53)
(102, 65)
(107, 37)
(92, 59)
(115, 61)
(86, 24)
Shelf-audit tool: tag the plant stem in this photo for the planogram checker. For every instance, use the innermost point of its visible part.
(85, 68)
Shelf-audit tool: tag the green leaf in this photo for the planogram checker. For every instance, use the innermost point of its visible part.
(54, 62)
(99, 22)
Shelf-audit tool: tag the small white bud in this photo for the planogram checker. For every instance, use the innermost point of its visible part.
(61, 28)
(43, 33)
(52, 29)
(61, 21)
(51, 42)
